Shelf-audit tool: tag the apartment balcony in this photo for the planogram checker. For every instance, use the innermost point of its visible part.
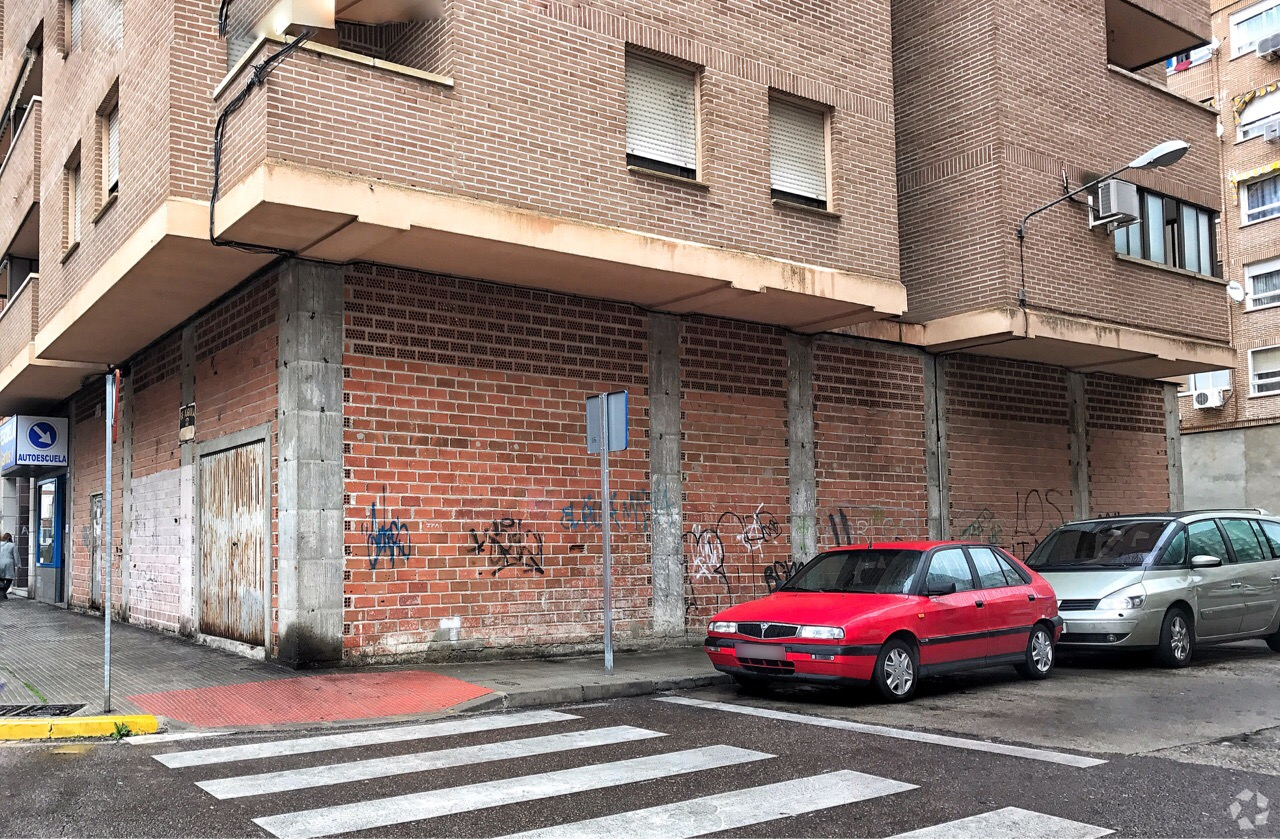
(1143, 32)
(20, 188)
(28, 383)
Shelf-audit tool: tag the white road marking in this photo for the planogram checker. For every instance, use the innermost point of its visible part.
(150, 739)
(386, 767)
(324, 743)
(898, 733)
(730, 810)
(1009, 823)
(364, 815)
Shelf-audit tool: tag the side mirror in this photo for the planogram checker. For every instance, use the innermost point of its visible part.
(941, 589)
(1205, 561)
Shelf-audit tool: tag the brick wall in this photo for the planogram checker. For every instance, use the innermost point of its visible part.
(88, 463)
(1128, 454)
(1008, 456)
(470, 494)
(869, 443)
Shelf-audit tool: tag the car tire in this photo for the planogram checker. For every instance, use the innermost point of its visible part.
(1040, 654)
(1273, 641)
(897, 671)
(752, 684)
(1177, 638)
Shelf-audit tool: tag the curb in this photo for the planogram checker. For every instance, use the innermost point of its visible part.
(60, 728)
(594, 692)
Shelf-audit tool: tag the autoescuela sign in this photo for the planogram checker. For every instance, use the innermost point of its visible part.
(39, 442)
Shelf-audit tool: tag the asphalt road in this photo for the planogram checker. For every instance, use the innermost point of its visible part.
(1105, 745)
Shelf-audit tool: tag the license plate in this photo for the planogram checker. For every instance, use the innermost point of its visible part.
(766, 651)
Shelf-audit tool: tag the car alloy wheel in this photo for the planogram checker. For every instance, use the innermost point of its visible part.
(899, 673)
(1180, 638)
(1177, 638)
(1041, 651)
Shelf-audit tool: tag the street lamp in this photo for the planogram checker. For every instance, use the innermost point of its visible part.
(1165, 154)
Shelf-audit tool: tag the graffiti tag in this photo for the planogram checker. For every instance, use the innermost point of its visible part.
(509, 544)
(386, 538)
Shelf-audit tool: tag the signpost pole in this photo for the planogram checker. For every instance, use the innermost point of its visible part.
(109, 551)
(605, 511)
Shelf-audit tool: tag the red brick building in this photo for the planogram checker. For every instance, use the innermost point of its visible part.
(355, 429)
(1231, 417)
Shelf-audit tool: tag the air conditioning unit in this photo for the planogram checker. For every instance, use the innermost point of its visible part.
(1271, 131)
(1117, 204)
(1269, 47)
(1213, 398)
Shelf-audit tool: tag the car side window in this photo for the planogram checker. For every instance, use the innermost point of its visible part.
(1243, 540)
(949, 566)
(1204, 539)
(1175, 553)
(1012, 573)
(990, 574)
(1270, 535)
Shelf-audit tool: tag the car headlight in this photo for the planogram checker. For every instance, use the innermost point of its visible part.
(726, 627)
(828, 633)
(1128, 598)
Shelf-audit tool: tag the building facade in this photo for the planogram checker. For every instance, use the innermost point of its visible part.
(1231, 417)
(351, 390)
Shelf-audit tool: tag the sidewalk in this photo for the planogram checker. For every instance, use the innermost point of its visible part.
(51, 657)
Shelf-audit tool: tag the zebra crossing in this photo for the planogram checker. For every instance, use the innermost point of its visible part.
(536, 735)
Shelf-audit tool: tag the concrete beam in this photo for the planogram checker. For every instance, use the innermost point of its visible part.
(1173, 443)
(801, 459)
(1078, 428)
(664, 474)
(935, 447)
(310, 483)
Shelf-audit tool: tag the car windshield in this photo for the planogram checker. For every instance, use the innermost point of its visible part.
(866, 571)
(1098, 544)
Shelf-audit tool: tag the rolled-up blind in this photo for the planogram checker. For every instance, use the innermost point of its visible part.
(1266, 370)
(113, 149)
(662, 122)
(798, 150)
(77, 22)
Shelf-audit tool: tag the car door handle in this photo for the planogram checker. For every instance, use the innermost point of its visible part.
(980, 603)
(1031, 597)
(1275, 579)
(1236, 585)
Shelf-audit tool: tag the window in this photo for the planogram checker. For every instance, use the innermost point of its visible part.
(1243, 540)
(111, 142)
(1204, 539)
(74, 205)
(1187, 60)
(1270, 547)
(797, 153)
(866, 571)
(1209, 381)
(1264, 371)
(662, 119)
(1271, 530)
(1175, 553)
(947, 567)
(1262, 284)
(1171, 232)
(1257, 114)
(1252, 25)
(73, 20)
(992, 571)
(1261, 199)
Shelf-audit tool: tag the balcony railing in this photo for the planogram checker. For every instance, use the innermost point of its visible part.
(18, 320)
(20, 176)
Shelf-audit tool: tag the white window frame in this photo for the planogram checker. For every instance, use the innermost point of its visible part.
(1252, 127)
(822, 200)
(1250, 271)
(692, 160)
(1253, 385)
(1245, 209)
(75, 204)
(1238, 47)
(1190, 385)
(111, 174)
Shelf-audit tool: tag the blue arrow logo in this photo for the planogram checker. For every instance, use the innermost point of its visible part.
(43, 435)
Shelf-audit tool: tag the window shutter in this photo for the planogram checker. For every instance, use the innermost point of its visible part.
(77, 21)
(77, 205)
(798, 150)
(113, 150)
(661, 113)
(1266, 370)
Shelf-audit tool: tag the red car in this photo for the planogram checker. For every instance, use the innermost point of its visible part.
(891, 614)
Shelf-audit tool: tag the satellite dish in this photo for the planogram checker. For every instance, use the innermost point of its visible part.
(1235, 291)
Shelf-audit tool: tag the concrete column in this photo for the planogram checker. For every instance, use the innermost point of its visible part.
(664, 475)
(1173, 441)
(187, 577)
(935, 447)
(310, 510)
(801, 459)
(1078, 425)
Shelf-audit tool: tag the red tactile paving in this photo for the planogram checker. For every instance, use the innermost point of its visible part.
(322, 698)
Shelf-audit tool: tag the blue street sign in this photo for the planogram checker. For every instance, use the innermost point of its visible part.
(38, 442)
(43, 435)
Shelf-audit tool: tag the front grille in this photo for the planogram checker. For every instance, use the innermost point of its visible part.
(1092, 638)
(1077, 605)
(769, 666)
(768, 630)
(38, 710)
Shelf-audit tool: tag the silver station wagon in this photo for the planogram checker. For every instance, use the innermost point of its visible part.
(1165, 582)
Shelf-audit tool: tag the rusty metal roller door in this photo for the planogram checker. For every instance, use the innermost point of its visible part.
(232, 544)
